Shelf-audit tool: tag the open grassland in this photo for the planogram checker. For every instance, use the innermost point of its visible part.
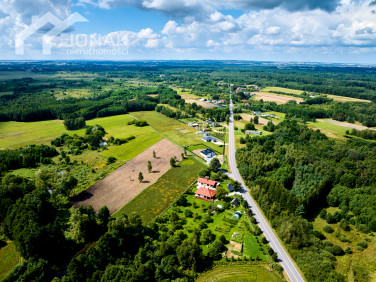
(298, 92)
(9, 258)
(365, 258)
(19, 134)
(172, 129)
(185, 94)
(156, 199)
(330, 130)
(73, 93)
(345, 124)
(239, 273)
(122, 185)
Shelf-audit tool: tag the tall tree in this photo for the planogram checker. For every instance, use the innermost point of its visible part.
(149, 167)
(140, 177)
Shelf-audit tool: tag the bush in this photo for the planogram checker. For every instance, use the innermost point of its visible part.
(348, 250)
(111, 160)
(335, 250)
(188, 213)
(362, 244)
(328, 229)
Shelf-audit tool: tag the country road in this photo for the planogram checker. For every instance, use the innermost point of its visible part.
(286, 262)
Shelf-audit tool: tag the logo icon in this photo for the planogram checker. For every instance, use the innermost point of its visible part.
(39, 22)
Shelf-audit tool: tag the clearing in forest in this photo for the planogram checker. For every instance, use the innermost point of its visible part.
(122, 185)
(279, 99)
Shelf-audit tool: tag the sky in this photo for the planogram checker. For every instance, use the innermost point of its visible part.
(338, 31)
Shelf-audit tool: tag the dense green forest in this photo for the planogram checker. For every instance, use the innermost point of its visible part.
(295, 172)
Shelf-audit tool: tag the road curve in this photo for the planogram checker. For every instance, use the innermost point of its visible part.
(286, 262)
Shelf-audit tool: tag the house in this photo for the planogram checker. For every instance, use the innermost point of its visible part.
(208, 153)
(230, 188)
(208, 139)
(246, 104)
(205, 194)
(192, 124)
(235, 202)
(222, 101)
(253, 132)
(202, 99)
(206, 183)
(206, 134)
(244, 100)
(257, 113)
(252, 94)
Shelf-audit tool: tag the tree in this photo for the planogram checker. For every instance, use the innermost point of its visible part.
(104, 215)
(237, 185)
(249, 126)
(140, 177)
(149, 167)
(221, 193)
(173, 162)
(215, 165)
(256, 120)
(154, 154)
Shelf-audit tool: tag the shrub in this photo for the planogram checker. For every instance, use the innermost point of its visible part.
(362, 244)
(328, 229)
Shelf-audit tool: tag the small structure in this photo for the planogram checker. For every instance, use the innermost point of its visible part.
(208, 154)
(257, 113)
(219, 206)
(208, 139)
(205, 194)
(246, 104)
(253, 132)
(230, 188)
(206, 183)
(202, 99)
(237, 214)
(192, 124)
(103, 144)
(235, 202)
(200, 132)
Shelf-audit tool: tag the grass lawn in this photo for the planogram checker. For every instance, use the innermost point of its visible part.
(365, 258)
(240, 272)
(9, 258)
(155, 199)
(173, 130)
(251, 247)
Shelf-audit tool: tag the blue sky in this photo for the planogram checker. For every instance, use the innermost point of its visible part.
(276, 30)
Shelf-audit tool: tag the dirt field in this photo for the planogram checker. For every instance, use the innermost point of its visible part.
(276, 98)
(234, 246)
(122, 185)
(205, 105)
(346, 124)
(247, 117)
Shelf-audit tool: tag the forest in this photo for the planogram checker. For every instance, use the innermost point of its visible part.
(296, 172)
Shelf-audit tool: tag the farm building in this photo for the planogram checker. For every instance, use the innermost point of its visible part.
(205, 194)
(206, 183)
(253, 132)
(235, 202)
(230, 188)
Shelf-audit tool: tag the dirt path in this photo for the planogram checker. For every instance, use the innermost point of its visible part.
(346, 124)
(122, 185)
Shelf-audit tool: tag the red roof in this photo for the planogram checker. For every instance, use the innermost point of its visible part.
(207, 181)
(205, 192)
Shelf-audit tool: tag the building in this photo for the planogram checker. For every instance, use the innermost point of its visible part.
(206, 183)
(207, 153)
(235, 202)
(205, 194)
(192, 124)
(257, 113)
(208, 139)
(253, 132)
(230, 188)
(237, 214)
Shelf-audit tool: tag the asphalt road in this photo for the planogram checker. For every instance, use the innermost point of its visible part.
(286, 262)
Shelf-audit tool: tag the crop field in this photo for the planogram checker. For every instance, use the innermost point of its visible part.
(347, 262)
(157, 198)
(279, 99)
(172, 129)
(240, 272)
(205, 105)
(122, 185)
(9, 258)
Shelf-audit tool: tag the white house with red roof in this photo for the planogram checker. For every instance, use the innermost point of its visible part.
(206, 183)
(205, 194)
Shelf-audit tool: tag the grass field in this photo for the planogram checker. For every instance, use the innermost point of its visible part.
(240, 273)
(298, 92)
(330, 130)
(154, 200)
(345, 263)
(9, 258)
(172, 129)
(251, 247)
(19, 134)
